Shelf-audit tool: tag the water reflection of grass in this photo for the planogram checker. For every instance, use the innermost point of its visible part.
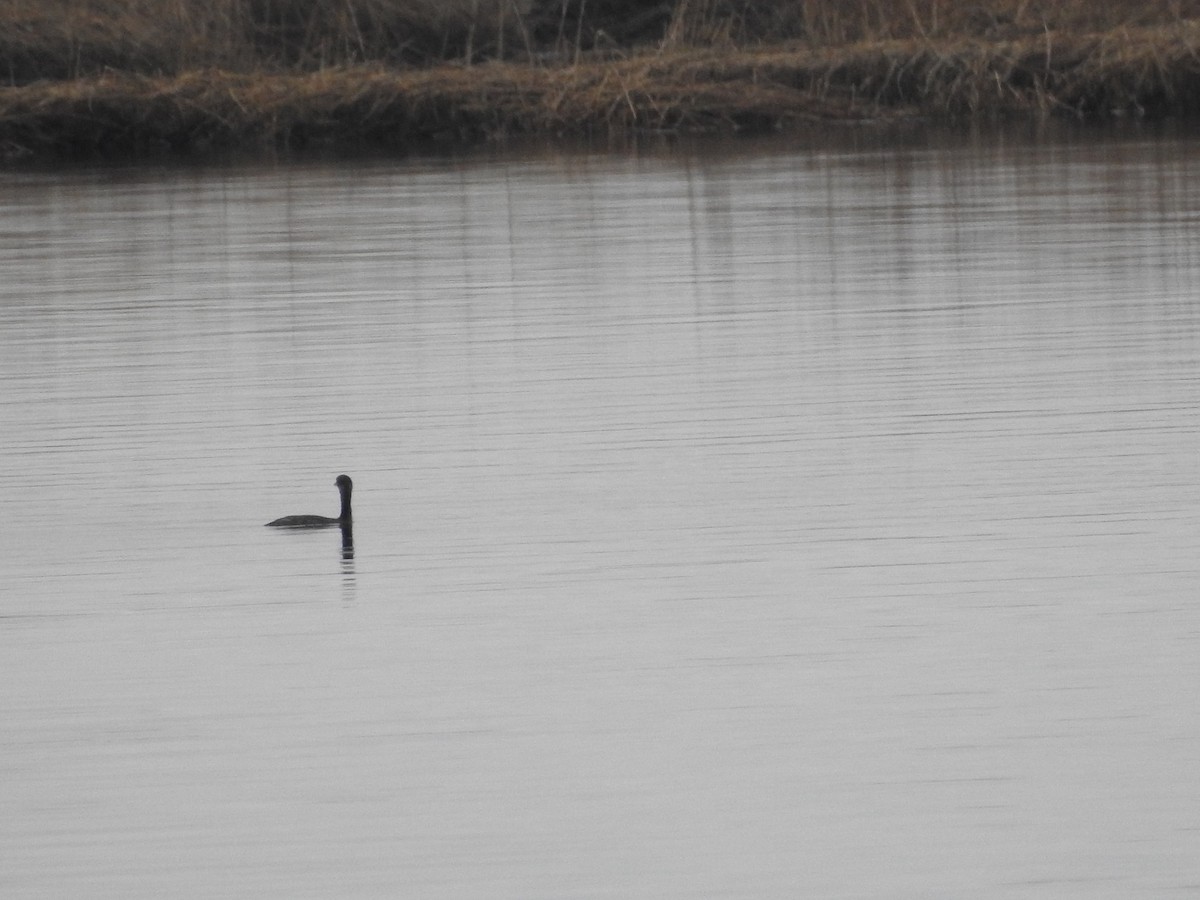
(98, 76)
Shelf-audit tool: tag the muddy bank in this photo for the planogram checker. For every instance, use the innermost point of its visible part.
(1148, 71)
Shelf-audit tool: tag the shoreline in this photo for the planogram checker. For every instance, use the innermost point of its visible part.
(1151, 72)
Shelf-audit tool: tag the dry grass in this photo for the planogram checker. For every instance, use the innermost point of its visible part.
(840, 22)
(57, 39)
(188, 83)
(1147, 70)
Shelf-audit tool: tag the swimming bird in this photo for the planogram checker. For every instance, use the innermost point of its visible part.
(344, 486)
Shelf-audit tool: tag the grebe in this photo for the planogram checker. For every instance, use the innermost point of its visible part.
(344, 486)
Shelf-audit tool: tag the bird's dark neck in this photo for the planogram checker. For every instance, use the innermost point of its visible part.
(345, 516)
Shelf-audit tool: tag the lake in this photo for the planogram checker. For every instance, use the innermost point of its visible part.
(766, 519)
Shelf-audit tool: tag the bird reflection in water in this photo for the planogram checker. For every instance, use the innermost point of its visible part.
(348, 582)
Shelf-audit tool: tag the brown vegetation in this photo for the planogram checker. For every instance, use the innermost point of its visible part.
(102, 76)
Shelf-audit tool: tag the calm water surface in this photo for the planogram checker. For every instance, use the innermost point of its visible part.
(783, 523)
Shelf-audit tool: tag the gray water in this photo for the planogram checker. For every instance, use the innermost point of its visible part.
(785, 522)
